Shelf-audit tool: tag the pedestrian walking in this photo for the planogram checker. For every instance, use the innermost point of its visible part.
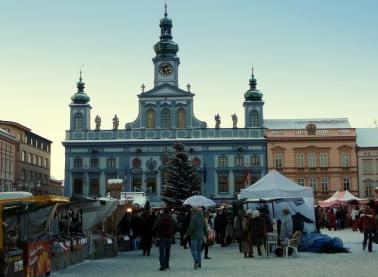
(146, 233)
(246, 246)
(258, 233)
(368, 227)
(355, 218)
(209, 228)
(197, 231)
(163, 230)
(238, 227)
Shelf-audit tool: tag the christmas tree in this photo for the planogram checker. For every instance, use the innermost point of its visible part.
(182, 180)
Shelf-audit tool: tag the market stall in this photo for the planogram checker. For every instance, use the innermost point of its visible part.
(282, 193)
(24, 240)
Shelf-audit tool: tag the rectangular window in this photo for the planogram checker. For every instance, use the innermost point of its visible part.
(345, 159)
(255, 160)
(23, 156)
(78, 163)
(311, 160)
(137, 184)
(94, 163)
(368, 189)
(376, 166)
(29, 158)
(278, 160)
(367, 167)
(346, 183)
(95, 187)
(239, 161)
(111, 163)
(324, 183)
(239, 183)
(223, 161)
(323, 160)
(151, 185)
(300, 160)
(313, 183)
(301, 181)
(223, 184)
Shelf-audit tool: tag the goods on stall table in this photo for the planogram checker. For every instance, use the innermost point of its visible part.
(124, 243)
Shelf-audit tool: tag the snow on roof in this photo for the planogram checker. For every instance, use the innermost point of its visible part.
(115, 181)
(321, 123)
(367, 137)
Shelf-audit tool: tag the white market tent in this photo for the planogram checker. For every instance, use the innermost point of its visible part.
(283, 193)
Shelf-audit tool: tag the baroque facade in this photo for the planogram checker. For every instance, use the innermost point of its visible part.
(367, 155)
(32, 157)
(138, 152)
(319, 153)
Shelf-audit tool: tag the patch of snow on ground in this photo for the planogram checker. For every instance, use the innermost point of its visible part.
(229, 262)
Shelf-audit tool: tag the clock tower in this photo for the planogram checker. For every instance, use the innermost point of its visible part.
(166, 62)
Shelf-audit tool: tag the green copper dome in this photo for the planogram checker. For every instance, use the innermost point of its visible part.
(253, 94)
(80, 97)
(166, 47)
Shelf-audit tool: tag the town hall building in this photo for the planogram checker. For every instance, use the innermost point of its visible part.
(226, 159)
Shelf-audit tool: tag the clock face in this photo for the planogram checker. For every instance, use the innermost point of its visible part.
(165, 69)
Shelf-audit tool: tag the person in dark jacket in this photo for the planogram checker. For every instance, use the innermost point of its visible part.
(220, 225)
(197, 231)
(298, 222)
(163, 230)
(368, 227)
(185, 225)
(146, 233)
(258, 233)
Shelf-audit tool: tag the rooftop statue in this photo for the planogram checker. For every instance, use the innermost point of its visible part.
(115, 122)
(98, 122)
(234, 120)
(217, 121)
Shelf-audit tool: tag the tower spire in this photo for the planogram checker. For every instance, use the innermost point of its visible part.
(165, 8)
(253, 94)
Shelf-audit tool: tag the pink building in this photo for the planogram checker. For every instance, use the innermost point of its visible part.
(319, 153)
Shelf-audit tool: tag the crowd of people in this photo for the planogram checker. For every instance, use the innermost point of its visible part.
(199, 229)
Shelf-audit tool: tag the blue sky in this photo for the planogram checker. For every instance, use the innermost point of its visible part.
(311, 58)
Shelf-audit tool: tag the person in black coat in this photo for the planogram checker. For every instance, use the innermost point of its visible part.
(146, 233)
(298, 222)
(185, 226)
(220, 225)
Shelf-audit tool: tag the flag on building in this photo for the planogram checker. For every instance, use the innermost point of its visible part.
(247, 177)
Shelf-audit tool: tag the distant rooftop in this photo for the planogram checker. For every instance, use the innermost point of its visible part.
(4, 133)
(321, 123)
(367, 137)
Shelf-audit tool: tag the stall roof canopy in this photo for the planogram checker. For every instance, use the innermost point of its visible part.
(340, 197)
(275, 185)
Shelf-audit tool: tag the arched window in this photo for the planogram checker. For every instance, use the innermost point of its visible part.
(255, 120)
(78, 121)
(166, 119)
(181, 118)
(150, 118)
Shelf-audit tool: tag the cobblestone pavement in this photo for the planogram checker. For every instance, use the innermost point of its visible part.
(229, 262)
